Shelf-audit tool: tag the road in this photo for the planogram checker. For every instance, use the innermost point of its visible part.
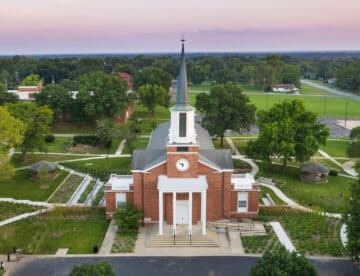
(332, 90)
(169, 266)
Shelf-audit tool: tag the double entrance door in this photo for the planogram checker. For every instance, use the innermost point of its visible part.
(182, 212)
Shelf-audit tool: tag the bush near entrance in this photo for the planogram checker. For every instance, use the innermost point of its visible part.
(98, 269)
(127, 218)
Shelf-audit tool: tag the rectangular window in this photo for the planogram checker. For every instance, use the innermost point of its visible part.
(242, 202)
(182, 149)
(182, 125)
(120, 199)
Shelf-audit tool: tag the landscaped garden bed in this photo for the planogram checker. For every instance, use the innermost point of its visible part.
(329, 197)
(25, 186)
(9, 209)
(67, 189)
(265, 190)
(259, 244)
(78, 229)
(311, 233)
(124, 243)
(102, 168)
(241, 166)
(87, 191)
(34, 158)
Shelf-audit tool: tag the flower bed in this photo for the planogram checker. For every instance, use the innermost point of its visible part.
(67, 189)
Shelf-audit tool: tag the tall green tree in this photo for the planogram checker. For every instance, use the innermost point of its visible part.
(32, 80)
(37, 121)
(11, 134)
(288, 131)
(104, 132)
(151, 96)
(281, 262)
(153, 76)
(102, 95)
(226, 107)
(5, 96)
(57, 98)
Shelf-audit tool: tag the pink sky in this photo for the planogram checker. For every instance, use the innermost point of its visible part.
(93, 26)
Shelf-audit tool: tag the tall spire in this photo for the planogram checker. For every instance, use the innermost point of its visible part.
(181, 93)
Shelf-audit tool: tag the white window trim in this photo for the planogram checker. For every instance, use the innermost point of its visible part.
(120, 199)
(243, 200)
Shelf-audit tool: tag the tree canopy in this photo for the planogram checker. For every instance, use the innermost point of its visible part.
(32, 80)
(36, 120)
(225, 108)
(153, 76)
(151, 96)
(288, 131)
(281, 262)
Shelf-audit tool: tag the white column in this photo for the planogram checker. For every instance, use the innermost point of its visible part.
(190, 213)
(203, 212)
(174, 213)
(161, 211)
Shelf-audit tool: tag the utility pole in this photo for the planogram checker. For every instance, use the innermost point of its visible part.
(346, 111)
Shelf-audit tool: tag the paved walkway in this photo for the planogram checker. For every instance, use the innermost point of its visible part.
(235, 242)
(331, 90)
(79, 190)
(120, 148)
(22, 216)
(109, 238)
(282, 236)
(323, 153)
(348, 167)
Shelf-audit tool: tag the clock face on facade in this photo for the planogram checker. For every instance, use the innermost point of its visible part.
(182, 165)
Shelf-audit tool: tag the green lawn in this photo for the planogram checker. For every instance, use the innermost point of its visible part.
(160, 112)
(335, 107)
(240, 144)
(87, 191)
(311, 233)
(336, 148)
(139, 143)
(310, 90)
(33, 158)
(330, 196)
(265, 190)
(67, 189)
(103, 167)
(9, 209)
(59, 146)
(216, 143)
(198, 88)
(78, 229)
(24, 186)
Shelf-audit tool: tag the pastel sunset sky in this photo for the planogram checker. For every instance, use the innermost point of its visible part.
(118, 26)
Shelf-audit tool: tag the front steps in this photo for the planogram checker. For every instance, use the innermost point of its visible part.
(182, 241)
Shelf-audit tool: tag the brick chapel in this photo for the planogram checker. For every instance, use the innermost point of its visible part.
(181, 178)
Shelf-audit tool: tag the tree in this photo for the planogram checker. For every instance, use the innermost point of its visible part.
(152, 95)
(102, 95)
(97, 269)
(5, 96)
(352, 218)
(355, 133)
(127, 218)
(288, 131)
(282, 262)
(128, 131)
(11, 134)
(225, 108)
(153, 76)
(197, 74)
(32, 80)
(57, 98)
(104, 132)
(37, 121)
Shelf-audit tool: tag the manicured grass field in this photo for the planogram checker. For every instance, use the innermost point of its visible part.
(24, 186)
(139, 143)
(9, 209)
(102, 168)
(198, 88)
(265, 190)
(67, 189)
(160, 112)
(216, 143)
(330, 196)
(336, 148)
(33, 158)
(335, 107)
(78, 229)
(310, 90)
(241, 144)
(311, 233)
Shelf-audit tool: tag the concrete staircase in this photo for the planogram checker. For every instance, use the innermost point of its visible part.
(182, 241)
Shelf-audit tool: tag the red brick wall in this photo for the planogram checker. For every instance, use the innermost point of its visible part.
(168, 211)
(172, 171)
(253, 204)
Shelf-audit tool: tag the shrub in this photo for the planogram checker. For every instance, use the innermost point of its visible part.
(354, 149)
(239, 164)
(98, 269)
(333, 173)
(86, 140)
(49, 138)
(127, 218)
(282, 262)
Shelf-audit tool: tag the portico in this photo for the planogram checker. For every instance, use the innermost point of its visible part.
(181, 214)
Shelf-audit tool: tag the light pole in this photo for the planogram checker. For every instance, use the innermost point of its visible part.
(346, 111)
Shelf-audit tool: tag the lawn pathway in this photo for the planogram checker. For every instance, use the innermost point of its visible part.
(120, 148)
(22, 216)
(80, 189)
(282, 236)
(108, 241)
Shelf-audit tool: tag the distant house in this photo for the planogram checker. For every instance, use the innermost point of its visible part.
(128, 78)
(314, 173)
(285, 87)
(27, 93)
(332, 81)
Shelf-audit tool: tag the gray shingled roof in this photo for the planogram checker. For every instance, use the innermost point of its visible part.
(311, 167)
(43, 166)
(156, 150)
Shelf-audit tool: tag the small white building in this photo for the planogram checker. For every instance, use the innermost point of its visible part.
(27, 93)
(285, 88)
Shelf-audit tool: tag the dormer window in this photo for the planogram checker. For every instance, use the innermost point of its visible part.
(182, 125)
